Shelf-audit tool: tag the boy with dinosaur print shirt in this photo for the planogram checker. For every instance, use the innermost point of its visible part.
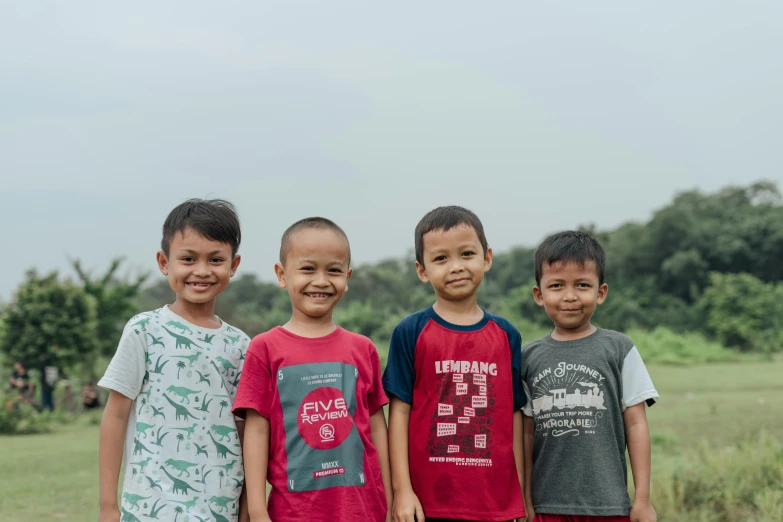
(172, 382)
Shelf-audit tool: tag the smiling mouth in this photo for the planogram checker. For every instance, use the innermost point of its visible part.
(457, 281)
(199, 285)
(318, 296)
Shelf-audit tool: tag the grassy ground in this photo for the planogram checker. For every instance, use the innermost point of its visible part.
(54, 476)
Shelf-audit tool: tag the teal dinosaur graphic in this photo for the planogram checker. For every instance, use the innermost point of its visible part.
(127, 516)
(220, 374)
(231, 329)
(181, 465)
(221, 502)
(204, 475)
(235, 382)
(204, 404)
(227, 467)
(138, 447)
(221, 450)
(202, 378)
(201, 450)
(238, 483)
(191, 358)
(189, 431)
(218, 516)
(156, 340)
(188, 505)
(179, 486)
(159, 438)
(133, 500)
(223, 431)
(207, 338)
(179, 326)
(142, 427)
(182, 341)
(234, 339)
(200, 519)
(180, 411)
(182, 392)
(146, 393)
(143, 323)
(142, 464)
(148, 357)
(157, 412)
(155, 510)
(227, 366)
(154, 484)
(159, 367)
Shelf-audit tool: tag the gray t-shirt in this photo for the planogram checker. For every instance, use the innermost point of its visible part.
(577, 392)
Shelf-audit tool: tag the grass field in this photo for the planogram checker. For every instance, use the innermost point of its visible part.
(54, 476)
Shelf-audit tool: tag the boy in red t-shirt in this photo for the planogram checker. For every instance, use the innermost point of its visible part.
(455, 425)
(312, 396)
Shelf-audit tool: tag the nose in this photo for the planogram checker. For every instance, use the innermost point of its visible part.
(320, 280)
(570, 294)
(456, 266)
(202, 270)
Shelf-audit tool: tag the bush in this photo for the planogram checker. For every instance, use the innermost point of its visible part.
(20, 418)
(663, 346)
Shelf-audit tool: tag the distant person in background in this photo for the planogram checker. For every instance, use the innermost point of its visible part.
(49, 376)
(90, 398)
(20, 381)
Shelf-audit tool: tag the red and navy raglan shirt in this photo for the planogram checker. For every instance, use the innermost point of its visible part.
(463, 385)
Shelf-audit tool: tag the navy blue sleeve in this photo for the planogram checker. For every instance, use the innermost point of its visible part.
(515, 343)
(400, 375)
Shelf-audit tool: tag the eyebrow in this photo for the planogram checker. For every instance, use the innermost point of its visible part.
(193, 252)
(311, 262)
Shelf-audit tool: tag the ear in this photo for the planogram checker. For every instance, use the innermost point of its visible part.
(538, 295)
(235, 264)
(488, 260)
(421, 273)
(347, 277)
(602, 291)
(163, 263)
(280, 273)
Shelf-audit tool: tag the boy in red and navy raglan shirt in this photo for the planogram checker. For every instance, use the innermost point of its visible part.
(455, 425)
(313, 397)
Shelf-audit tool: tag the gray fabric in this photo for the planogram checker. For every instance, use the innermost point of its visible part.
(576, 398)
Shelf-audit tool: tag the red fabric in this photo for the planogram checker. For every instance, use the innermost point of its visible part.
(276, 359)
(578, 518)
(455, 371)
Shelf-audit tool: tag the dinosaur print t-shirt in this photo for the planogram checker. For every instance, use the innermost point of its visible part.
(318, 395)
(182, 454)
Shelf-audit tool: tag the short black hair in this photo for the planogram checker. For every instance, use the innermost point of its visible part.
(317, 223)
(570, 246)
(447, 218)
(214, 219)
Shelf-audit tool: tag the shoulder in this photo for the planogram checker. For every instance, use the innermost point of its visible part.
(617, 341)
(413, 324)
(233, 331)
(142, 318)
(505, 325)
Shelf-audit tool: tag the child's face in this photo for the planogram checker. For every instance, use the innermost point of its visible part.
(454, 262)
(569, 293)
(198, 268)
(315, 271)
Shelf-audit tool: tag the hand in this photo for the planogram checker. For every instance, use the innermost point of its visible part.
(109, 515)
(406, 506)
(529, 510)
(262, 518)
(642, 511)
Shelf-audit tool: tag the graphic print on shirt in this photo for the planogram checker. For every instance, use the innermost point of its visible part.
(321, 440)
(568, 399)
(461, 428)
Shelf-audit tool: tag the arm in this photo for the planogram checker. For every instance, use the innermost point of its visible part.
(112, 439)
(637, 435)
(244, 516)
(256, 458)
(528, 430)
(405, 504)
(380, 439)
(519, 455)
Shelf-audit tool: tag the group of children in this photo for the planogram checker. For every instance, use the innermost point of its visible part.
(479, 427)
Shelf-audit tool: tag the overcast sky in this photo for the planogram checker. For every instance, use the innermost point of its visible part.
(537, 116)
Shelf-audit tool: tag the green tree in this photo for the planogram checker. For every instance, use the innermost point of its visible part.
(49, 315)
(115, 301)
(180, 367)
(180, 438)
(223, 404)
(178, 510)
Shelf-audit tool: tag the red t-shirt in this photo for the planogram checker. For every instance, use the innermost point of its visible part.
(463, 385)
(318, 395)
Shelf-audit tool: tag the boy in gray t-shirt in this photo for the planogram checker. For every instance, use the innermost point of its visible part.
(587, 389)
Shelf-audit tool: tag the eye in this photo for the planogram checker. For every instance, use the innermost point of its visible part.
(307, 269)
(583, 285)
(439, 258)
(468, 253)
(555, 285)
(187, 259)
(335, 271)
(216, 260)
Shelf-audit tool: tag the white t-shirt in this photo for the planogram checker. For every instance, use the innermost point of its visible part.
(182, 451)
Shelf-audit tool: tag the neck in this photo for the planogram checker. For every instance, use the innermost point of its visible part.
(307, 326)
(200, 314)
(572, 334)
(463, 312)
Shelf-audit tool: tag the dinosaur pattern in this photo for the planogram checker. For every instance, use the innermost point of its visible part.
(171, 467)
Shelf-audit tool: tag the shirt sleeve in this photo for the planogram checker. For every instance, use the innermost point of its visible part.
(399, 376)
(515, 341)
(240, 365)
(377, 397)
(527, 408)
(128, 368)
(255, 390)
(637, 385)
